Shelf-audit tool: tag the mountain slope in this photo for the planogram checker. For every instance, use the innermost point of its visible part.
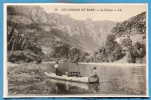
(87, 35)
(133, 29)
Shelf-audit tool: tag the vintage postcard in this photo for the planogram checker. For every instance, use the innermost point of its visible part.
(75, 50)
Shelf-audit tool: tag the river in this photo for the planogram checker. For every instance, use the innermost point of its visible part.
(115, 79)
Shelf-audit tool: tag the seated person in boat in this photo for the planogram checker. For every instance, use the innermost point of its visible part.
(93, 78)
(56, 66)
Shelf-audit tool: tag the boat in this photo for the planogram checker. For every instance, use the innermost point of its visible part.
(70, 84)
(73, 78)
(66, 78)
(93, 79)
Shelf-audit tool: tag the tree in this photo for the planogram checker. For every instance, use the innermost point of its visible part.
(113, 50)
(110, 42)
(23, 24)
(127, 42)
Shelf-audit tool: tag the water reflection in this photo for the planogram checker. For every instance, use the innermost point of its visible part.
(66, 87)
(94, 88)
(61, 88)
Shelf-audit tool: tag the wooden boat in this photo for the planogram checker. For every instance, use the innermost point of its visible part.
(70, 84)
(66, 78)
(93, 79)
(73, 79)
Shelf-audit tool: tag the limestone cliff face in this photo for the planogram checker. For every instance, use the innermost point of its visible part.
(134, 29)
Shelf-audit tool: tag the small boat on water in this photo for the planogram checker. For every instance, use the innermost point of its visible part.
(70, 84)
(66, 78)
(73, 78)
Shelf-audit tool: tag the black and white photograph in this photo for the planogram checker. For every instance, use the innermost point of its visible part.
(75, 50)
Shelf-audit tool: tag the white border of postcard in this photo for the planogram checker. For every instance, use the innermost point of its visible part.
(5, 80)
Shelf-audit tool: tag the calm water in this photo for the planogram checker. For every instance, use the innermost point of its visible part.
(61, 87)
(114, 79)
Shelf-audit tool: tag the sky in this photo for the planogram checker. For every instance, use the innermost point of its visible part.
(112, 12)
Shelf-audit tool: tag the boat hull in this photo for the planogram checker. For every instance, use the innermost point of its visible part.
(93, 79)
(66, 78)
(73, 79)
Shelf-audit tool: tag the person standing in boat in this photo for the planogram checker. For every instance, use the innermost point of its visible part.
(56, 66)
(93, 78)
